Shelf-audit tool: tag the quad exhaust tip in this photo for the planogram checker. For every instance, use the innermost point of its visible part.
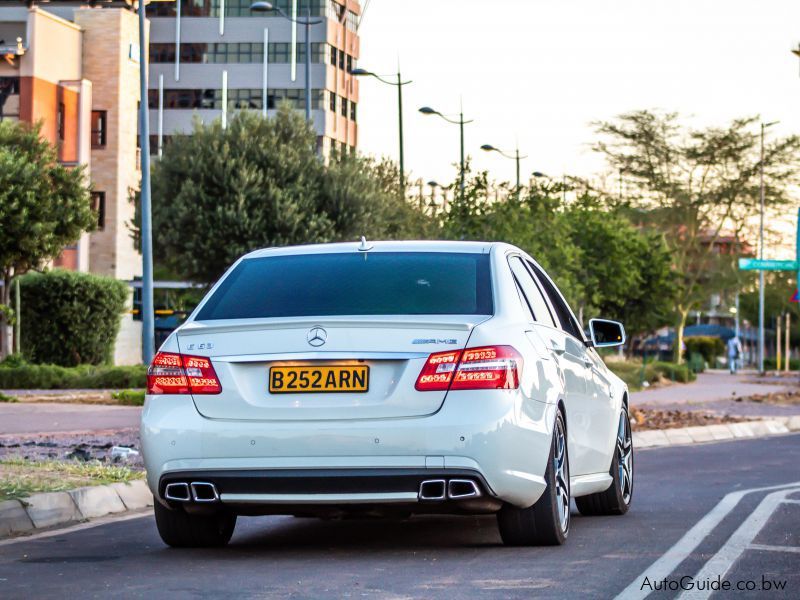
(203, 491)
(197, 491)
(454, 489)
(178, 492)
(458, 489)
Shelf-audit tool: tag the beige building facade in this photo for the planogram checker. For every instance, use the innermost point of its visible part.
(74, 69)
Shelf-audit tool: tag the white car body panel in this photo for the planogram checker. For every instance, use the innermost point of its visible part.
(502, 435)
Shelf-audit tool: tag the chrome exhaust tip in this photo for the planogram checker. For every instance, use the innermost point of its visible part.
(203, 491)
(178, 492)
(458, 489)
(433, 489)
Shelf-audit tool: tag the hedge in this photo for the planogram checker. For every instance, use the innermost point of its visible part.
(53, 377)
(710, 347)
(70, 318)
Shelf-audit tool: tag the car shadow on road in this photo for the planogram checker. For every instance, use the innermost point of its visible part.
(286, 533)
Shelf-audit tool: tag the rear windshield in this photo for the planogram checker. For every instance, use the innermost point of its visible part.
(355, 283)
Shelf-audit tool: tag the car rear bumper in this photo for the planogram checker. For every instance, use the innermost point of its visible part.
(265, 491)
(498, 440)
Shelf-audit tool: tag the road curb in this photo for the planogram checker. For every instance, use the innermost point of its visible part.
(681, 436)
(40, 511)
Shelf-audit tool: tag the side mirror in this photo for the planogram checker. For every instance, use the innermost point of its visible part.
(605, 334)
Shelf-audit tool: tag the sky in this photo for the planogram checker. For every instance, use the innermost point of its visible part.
(539, 72)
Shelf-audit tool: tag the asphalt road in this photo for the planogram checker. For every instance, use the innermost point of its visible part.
(40, 417)
(684, 522)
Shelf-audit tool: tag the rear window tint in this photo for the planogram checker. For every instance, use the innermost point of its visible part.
(380, 283)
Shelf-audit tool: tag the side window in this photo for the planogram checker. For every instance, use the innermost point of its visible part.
(536, 302)
(568, 322)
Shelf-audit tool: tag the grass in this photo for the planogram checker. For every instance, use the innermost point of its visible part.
(6, 398)
(20, 477)
(129, 397)
(630, 371)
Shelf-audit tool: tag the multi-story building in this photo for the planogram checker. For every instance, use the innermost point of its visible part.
(204, 51)
(74, 68)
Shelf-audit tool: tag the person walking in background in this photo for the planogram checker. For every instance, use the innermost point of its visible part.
(734, 352)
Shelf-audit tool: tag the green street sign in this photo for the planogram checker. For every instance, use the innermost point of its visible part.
(754, 264)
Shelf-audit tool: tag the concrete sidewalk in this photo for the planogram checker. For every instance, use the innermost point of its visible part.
(722, 393)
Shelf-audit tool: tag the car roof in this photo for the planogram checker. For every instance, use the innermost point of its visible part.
(380, 246)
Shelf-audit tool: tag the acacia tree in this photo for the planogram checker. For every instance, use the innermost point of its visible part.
(44, 207)
(697, 186)
(222, 192)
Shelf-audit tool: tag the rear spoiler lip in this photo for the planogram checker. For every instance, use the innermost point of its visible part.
(439, 322)
(337, 355)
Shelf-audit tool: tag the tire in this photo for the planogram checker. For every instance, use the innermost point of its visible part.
(616, 500)
(546, 523)
(179, 529)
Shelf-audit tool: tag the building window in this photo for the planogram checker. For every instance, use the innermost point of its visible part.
(352, 111)
(343, 105)
(279, 52)
(233, 8)
(99, 129)
(220, 53)
(332, 101)
(237, 98)
(349, 64)
(99, 208)
(352, 21)
(334, 56)
(60, 120)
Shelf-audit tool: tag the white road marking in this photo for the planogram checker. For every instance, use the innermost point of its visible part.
(669, 561)
(78, 527)
(719, 564)
(774, 548)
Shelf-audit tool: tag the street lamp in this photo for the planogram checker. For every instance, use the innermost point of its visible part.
(761, 255)
(427, 110)
(308, 22)
(515, 156)
(399, 85)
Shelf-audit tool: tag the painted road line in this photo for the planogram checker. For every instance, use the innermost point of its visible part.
(78, 527)
(673, 557)
(719, 564)
(774, 548)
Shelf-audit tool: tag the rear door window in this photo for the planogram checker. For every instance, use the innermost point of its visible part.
(534, 297)
(354, 283)
(568, 322)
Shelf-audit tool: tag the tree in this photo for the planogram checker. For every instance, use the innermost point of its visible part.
(223, 192)
(44, 207)
(624, 271)
(699, 188)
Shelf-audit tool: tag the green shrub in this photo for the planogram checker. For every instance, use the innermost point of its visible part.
(770, 364)
(710, 347)
(6, 398)
(667, 370)
(129, 397)
(54, 377)
(70, 318)
(630, 371)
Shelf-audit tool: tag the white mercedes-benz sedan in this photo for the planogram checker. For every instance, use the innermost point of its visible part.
(386, 378)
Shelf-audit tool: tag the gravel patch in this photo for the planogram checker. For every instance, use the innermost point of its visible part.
(81, 446)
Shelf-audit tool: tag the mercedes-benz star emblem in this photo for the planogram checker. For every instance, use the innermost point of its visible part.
(317, 336)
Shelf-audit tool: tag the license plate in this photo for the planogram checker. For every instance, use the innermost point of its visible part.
(327, 379)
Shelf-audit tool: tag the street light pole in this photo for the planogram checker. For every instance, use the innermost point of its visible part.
(761, 253)
(399, 85)
(307, 22)
(426, 110)
(308, 62)
(148, 324)
(515, 156)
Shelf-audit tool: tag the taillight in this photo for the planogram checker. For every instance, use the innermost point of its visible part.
(488, 367)
(172, 373)
(438, 371)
